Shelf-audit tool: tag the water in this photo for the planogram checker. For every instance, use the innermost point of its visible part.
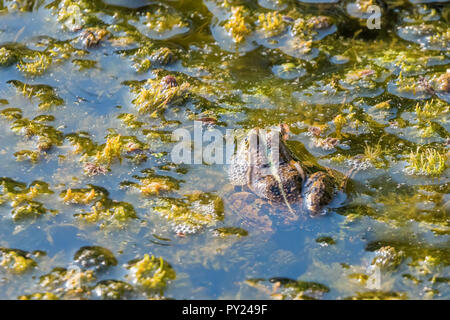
(381, 94)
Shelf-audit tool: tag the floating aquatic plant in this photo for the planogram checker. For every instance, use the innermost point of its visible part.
(289, 289)
(113, 290)
(72, 14)
(7, 57)
(34, 65)
(387, 258)
(108, 212)
(192, 213)
(238, 26)
(63, 51)
(16, 261)
(441, 82)
(82, 195)
(47, 136)
(130, 120)
(102, 209)
(115, 148)
(84, 64)
(379, 295)
(95, 258)
(339, 122)
(39, 296)
(82, 143)
(307, 28)
(44, 93)
(110, 151)
(22, 198)
(155, 96)
(30, 155)
(428, 161)
(375, 155)
(271, 23)
(230, 231)
(22, 5)
(431, 109)
(69, 283)
(161, 21)
(153, 184)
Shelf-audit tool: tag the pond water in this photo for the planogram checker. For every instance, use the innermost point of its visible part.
(93, 207)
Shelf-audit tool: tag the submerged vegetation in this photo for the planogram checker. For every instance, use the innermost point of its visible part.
(93, 90)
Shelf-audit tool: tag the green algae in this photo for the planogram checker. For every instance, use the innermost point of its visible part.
(95, 257)
(16, 261)
(290, 289)
(153, 184)
(114, 150)
(84, 64)
(102, 210)
(155, 96)
(7, 57)
(113, 290)
(237, 25)
(67, 283)
(379, 295)
(192, 213)
(39, 296)
(130, 120)
(427, 162)
(45, 94)
(160, 21)
(271, 23)
(325, 241)
(47, 136)
(83, 195)
(34, 65)
(374, 100)
(387, 258)
(231, 231)
(22, 198)
(151, 273)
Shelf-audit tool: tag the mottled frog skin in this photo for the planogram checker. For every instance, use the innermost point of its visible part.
(286, 183)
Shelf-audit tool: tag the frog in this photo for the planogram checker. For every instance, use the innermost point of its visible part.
(275, 177)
